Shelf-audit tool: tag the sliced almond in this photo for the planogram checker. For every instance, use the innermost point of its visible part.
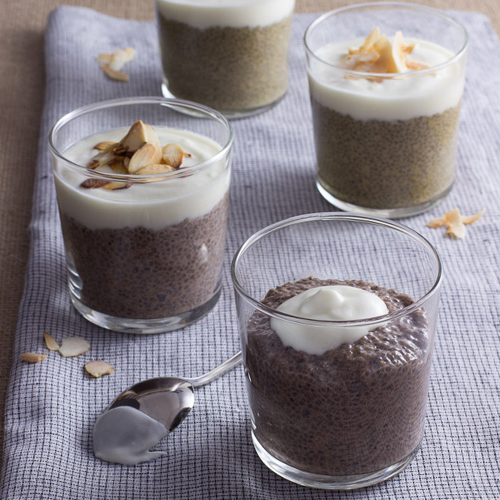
(173, 155)
(114, 74)
(101, 146)
(103, 157)
(147, 154)
(32, 357)
(94, 183)
(99, 368)
(136, 137)
(118, 165)
(469, 219)
(50, 342)
(73, 346)
(114, 185)
(156, 168)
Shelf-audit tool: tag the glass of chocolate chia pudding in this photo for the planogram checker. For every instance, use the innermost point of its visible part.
(143, 187)
(386, 82)
(337, 316)
(231, 55)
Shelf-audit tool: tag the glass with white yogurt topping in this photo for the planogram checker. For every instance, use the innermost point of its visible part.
(337, 317)
(144, 246)
(231, 55)
(385, 111)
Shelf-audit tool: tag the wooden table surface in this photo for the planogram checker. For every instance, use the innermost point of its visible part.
(22, 85)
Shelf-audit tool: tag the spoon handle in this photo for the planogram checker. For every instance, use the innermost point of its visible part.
(217, 372)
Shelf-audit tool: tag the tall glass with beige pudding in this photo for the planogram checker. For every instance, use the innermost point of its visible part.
(231, 55)
(385, 97)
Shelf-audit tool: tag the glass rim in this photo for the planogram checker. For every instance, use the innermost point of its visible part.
(162, 101)
(388, 76)
(349, 217)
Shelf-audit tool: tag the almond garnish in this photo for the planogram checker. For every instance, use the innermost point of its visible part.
(173, 155)
(32, 357)
(94, 183)
(156, 168)
(73, 346)
(101, 146)
(99, 368)
(139, 152)
(114, 185)
(119, 76)
(454, 222)
(111, 64)
(147, 154)
(50, 342)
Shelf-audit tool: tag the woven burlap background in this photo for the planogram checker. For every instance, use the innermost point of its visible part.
(22, 83)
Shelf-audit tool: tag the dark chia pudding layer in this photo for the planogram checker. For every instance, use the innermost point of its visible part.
(229, 69)
(385, 164)
(142, 273)
(352, 410)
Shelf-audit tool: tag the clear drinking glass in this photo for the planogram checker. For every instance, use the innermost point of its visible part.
(231, 56)
(353, 415)
(385, 142)
(146, 258)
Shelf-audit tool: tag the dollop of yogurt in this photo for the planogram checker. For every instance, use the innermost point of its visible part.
(329, 303)
(124, 435)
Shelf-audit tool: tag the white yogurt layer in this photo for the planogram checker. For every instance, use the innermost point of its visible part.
(407, 95)
(226, 13)
(153, 205)
(328, 303)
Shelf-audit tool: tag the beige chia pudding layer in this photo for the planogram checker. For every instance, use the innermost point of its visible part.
(234, 62)
(355, 409)
(151, 248)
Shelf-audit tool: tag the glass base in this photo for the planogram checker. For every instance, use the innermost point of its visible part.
(229, 114)
(387, 213)
(144, 326)
(325, 482)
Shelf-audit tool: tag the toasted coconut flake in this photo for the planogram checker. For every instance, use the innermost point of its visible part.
(104, 58)
(435, 223)
(73, 346)
(114, 185)
(378, 55)
(94, 183)
(99, 368)
(470, 219)
(50, 342)
(121, 57)
(32, 357)
(119, 76)
(454, 225)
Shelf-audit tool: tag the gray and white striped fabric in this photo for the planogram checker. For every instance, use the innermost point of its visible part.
(52, 406)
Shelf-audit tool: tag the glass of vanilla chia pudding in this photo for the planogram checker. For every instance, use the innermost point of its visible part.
(386, 82)
(337, 317)
(143, 189)
(231, 55)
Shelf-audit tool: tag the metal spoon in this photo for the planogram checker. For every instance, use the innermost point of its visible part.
(167, 400)
(170, 399)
